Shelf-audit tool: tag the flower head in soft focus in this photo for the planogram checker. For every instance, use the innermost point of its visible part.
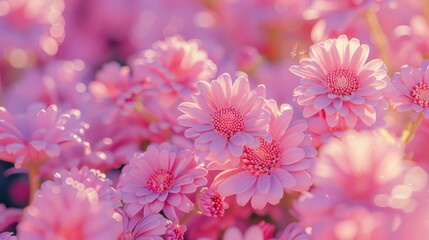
(254, 232)
(90, 178)
(223, 117)
(411, 89)
(160, 179)
(338, 84)
(69, 211)
(373, 165)
(8, 216)
(281, 164)
(211, 203)
(293, 231)
(32, 138)
(7, 236)
(139, 227)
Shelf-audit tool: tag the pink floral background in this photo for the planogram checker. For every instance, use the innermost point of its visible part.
(214, 119)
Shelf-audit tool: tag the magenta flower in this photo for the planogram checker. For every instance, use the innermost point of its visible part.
(254, 232)
(175, 231)
(139, 227)
(211, 203)
(32, 138)
(338, 83)
(68, 211)
(88, 178)
(411, 89)
(223, 117)
(159, 179)
(281, 164)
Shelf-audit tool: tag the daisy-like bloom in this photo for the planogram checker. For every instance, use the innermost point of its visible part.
(140, 227)
(69, 212)
(211, 203)
(175, 231)
(338, 83)
(8, 216)
(293, 231)
(355, 178)
(7, 236)
(159, 179)
(32, 138)
(411, 89)
(89, 178)
(281, 164)
(223, 117)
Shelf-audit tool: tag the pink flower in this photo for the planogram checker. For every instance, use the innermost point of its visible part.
(159, 179)
(223, 117)
(337, 83)
(411, 89)
(89, 178)
(175, 231)
(211, 203)
(139, 227)
(32, 138)
(252, 233)
(359, 187)
(7, 236)
(8, 216)
(281, 164)
(293, 231)
(68, 212)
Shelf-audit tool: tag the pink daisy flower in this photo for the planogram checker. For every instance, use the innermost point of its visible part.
(139, 227)
(223, 117)
(36, 136)
(211, 203)
(354, 177)
(160, 179)
(337, 82)
(69, 212)
(411, 89)
(8, 216)
(7, 236)
(90, 178)
(281, 164)
(175, 231)
(293, 231)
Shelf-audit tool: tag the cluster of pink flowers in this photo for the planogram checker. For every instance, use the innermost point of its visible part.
(206, 120)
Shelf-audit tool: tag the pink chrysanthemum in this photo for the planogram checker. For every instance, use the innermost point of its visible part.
(211, 203)
(412, 89)
(293, 231)
(69, 212)
(223, 117)
(281, 164)
(338, 83)
(159, 179)
(140, 227)
(175, 231)
(7, 236)
(360, 176)
(32, 138)
(8, 216)
(90, 178)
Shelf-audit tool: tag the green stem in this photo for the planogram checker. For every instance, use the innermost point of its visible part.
(188, 215)
(411, 128)
(34, 179)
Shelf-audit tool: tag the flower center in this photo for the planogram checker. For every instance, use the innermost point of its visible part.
(228, 121)
(160, 181)
(262, 160)
(342, 82)
(420, 94)
(217, 205)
